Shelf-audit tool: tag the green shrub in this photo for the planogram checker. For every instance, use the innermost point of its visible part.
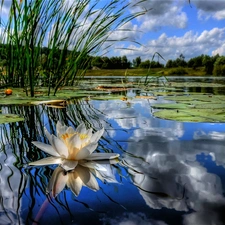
(219, 70)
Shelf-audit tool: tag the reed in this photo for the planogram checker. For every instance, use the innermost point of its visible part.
(53, 40)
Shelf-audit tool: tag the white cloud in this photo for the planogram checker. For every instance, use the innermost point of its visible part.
(207, 9)
(131, 219)
(166, 176)
(220, 50)
(5, 8)
(191, 44)
(174, 17)
(129, 31)
(162, 14)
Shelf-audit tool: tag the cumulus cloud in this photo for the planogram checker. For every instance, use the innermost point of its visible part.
(207, 9)
(5, 8)
(129, 31)
(126, 116)
(161, 14)
(10, 188)
(167, 174)
(220, 50)
(190, 45)
(132, 219)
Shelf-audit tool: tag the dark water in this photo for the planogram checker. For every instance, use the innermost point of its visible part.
(169, 172)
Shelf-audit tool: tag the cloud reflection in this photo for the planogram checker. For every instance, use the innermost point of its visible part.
(131, 219)
(160, 166)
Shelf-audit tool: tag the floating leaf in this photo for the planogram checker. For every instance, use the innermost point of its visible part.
(146, 97)
(10, 118)
(170, 106)
(193, 84)
(205, 98)
(192, 115)
(193, 108)
(109, 97)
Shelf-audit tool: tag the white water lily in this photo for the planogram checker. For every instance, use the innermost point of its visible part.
(71, 147)
(79, 177)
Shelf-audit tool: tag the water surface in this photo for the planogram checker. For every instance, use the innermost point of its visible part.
(169, 172)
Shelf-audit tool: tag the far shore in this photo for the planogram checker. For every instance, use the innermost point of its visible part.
(200, 71)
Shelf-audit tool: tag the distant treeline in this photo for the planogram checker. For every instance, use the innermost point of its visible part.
(213, 65)
(118, 62)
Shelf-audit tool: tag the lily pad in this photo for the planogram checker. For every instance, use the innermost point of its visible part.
(170, 106)
(146, 97)
(193, 108)
(10, 118)
(109, 97)
(194, 84)
(194, 115)
(205, 98)
(189, 106)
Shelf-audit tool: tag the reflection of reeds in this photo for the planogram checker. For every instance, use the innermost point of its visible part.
(16, 145)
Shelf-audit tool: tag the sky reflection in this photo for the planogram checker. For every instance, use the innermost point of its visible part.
(164, 162)
(170, 172)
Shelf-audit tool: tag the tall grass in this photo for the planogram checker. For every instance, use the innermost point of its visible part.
(71, 31)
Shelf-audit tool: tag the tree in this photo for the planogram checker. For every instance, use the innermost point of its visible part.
(207, 62)
(146, 64)
(169, 63)
(97, 62)
(137, 62)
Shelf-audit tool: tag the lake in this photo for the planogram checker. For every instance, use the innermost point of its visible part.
(168, 173)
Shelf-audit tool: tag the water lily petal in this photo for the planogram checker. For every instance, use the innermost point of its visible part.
(86, 151)
(81, 128)
(87, 178)
(102, 156)
(52, 179)
(89, 135)
(93, 165)
(59, 146)
(98, 175)
(74, 183)
(74, 142)
(46, 148)
(70, 130)
(60, 129)
(69, 164)
(97, 135)
(57, 182)
(46, 161)
(48, 135)
(108, 174)
(89, 132)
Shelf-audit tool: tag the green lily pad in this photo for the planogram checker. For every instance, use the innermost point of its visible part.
(163, 93)
(193, 115)
(205, 98)
(169, 106)
(194, 84)
(109, 97)
(193, 108)
(189, 106)
(10, 118)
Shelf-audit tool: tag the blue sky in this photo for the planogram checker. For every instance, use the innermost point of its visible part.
(173, 27)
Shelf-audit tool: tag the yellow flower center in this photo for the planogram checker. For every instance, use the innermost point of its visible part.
(83, 136)
(66, 136)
